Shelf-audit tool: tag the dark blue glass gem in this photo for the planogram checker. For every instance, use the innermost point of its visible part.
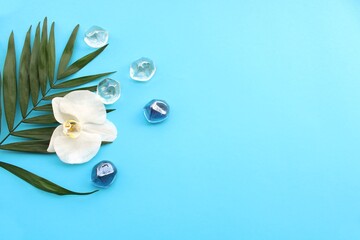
(156, 111)
(103, 174)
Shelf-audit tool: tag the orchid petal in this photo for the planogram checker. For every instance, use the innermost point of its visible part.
(57, 133)
(58, 114)
(86, 106)
(106, 131)
(77, 150)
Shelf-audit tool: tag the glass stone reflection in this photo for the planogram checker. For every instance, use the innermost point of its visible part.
(103, 174)
(142, 69)
(108, 90)
(156, 111)
(96, 37)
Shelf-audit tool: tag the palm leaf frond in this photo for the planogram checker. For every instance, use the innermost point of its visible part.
(46, 108)
(81, 80)
(67, 53)
(82, 62)
(34, 72)
(34, 146)
(37, 81)
(35, 133)
(24, 86)
(43, 119)
(51, 55)
(39, 182)
(10, 88)
(42, 66)
(61, 94)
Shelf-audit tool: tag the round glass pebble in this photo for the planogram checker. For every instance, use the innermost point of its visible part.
(142, 69)
(96, 37)
(108, 90)
(103, 174)
(156, 111)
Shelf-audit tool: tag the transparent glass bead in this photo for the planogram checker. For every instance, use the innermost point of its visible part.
(108, 90)
(156, 111)
(71, 128)
(96, 37)
(142, 69)
(103, 174)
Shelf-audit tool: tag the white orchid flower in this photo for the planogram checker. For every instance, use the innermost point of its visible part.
(83, 127)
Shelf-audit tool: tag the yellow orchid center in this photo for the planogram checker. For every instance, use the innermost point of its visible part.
(72, 128)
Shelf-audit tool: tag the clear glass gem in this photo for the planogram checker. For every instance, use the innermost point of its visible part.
(71, 128)
(156, 111)
(108, 90)
(96, 37)
(103, 174)
(142, 69)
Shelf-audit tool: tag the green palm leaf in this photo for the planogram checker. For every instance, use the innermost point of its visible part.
(82, 62)
(24, 85)
(35, 133)
(67, 53)
(61, 94)
(34, 146)
(10, 83)
(42, 68)
(36, 73)
(110, 110)
(43, 119)
(39, 182)
(46, 107)
(80, 81)
(51, 55)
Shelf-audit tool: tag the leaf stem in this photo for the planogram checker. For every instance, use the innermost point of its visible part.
(19, 123)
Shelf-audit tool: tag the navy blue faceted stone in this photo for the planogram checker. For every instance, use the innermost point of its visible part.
(103, 174)
(156, 111)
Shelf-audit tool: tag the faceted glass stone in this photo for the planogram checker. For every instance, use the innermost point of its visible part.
(103, 174)
(109, 90)
(156, 111)
(142, 69)
(96, 37)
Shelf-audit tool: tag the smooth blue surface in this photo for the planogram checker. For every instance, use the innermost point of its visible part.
(263, 138)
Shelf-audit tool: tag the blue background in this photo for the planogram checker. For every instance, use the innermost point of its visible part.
(263, 138)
